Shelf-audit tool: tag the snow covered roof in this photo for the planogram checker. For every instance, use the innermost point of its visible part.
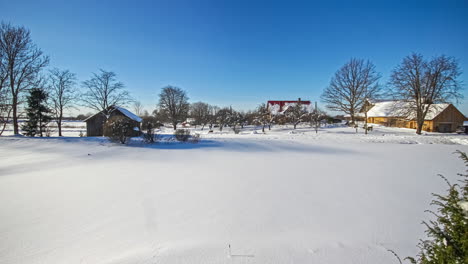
(128, 114)
(387, 109)
(124, 111)
(400, 109)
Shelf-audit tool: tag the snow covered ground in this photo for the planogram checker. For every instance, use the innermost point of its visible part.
(280, 197)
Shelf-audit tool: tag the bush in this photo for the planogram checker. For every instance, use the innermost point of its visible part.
(182, 135)
(236, 130)
(149, 136)
(448, 233)
(151, 120)
(117, 128)
(195, 138)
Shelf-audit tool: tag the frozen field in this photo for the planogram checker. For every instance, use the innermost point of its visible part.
(280, 197)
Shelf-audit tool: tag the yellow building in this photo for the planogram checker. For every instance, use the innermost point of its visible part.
(440, 118)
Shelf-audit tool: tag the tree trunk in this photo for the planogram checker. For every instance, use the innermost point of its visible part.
(269, 126)
(365, 121)
(295, 124)
(419, 126)
(174, 125)
(59, 124)
(15, 115)
(263, 128)
(203, 127)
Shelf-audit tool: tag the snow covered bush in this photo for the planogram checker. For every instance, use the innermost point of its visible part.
(448, 234)
(117, 129)
(182, 135)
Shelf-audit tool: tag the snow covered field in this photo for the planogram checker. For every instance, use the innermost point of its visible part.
(280, 197)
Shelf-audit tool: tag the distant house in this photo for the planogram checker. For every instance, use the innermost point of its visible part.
(95, 123)
(440, 118)
(281, 106)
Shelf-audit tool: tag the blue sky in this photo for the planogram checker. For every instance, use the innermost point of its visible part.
(238, 53)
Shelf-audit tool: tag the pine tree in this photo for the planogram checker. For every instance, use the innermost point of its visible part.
(448, 234)
(37, 112)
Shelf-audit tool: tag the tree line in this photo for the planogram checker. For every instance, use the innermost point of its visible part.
(23, 79)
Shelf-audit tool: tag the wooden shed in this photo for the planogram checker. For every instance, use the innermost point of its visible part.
(95, 123)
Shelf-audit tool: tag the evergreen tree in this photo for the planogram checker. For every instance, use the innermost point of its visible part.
(448, 234)
(37, 112)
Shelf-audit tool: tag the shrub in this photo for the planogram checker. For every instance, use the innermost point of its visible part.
(182, 135)
(448, 233)
(117, 128)
(195, 138)
(236, 130)
(150, 136)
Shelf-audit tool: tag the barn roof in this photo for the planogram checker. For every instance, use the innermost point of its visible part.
(129, 114)
(400, 109)
(122, 110)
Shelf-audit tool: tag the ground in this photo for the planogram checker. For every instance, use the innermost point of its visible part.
(280, 197)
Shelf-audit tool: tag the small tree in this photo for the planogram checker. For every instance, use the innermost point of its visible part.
(149, 135)
(200, 112)
(297, 113)
(262, 116)
(118, 128)
(448, 234)
(37, 112)
(173, 102)
(62, 93)
(138, 108)
(316, 117)
(223, 117)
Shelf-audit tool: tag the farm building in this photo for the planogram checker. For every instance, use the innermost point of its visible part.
(440, 118)
(282, 106)
(95, 123)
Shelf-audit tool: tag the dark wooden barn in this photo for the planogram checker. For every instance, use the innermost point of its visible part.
(95, 123)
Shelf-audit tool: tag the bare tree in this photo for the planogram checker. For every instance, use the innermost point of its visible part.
(104, 91)
(316, 117)
(173, 101)
(138, 108)
(213, 109)
(352, 84)
(200, 112)
(262, 116)
(223, 117)
(24, 61)
(62, 93)
(5, 103)
(297, 113)
(422, 83)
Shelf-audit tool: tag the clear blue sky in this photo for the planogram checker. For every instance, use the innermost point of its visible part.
(238, 53)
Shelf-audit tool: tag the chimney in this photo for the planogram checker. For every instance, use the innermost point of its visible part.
(299, 99)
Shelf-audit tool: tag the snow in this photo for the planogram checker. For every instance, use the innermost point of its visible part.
(400, 109)
(129, 114)
(124, 111)
(275, 197)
